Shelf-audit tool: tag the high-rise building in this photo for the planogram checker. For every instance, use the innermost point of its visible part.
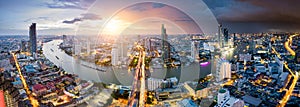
(226, 35)
(220, 35)
(223, 70)
(114, 56)
(194, 50)
(32, 38)
(165, 47)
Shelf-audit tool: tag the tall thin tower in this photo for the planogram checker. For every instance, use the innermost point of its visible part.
(164, 38)
(32, 38)
(220, 35)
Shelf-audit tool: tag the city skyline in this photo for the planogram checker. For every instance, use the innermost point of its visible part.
(59, 17)
(169, 53)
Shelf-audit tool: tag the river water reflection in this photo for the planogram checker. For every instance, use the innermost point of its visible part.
(120, 75)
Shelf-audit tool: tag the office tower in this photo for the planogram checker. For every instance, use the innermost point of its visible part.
(223, 70)
(226, 35)
(194, 50)
(114, 55)
(220, 35)
(123, 49)
(32, 38)
(165, 47)
(9, 92)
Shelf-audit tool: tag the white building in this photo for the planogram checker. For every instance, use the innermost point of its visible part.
(223, 70)
(153, 83)
(114, 56)
(224, 100)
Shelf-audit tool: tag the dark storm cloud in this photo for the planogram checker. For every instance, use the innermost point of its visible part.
(268, 15)
(70, 4)
(86, 16)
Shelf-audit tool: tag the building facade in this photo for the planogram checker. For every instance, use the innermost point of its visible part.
(32, 38)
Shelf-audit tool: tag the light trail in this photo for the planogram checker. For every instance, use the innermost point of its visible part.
(289, 92)
(139, 81)
(287, 45)
(34, 102)
(142, 79)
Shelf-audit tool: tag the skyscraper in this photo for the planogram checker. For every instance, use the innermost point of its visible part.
(194, 50)
(164, 39)
(226, 36)
(219, 35)
(223, 70)
(32, 38)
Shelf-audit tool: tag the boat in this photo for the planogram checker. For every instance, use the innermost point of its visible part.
(57, 57)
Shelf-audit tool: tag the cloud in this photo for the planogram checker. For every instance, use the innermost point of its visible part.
(86, 16)
(138, 8)
(70, 4)
(36, 19)
(252, 14)
(90, 16)
(158, 5)
(72, 21)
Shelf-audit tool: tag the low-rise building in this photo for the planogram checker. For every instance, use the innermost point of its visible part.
(39, 89)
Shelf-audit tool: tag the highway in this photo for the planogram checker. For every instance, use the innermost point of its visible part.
(34, 102)
(139, 82)
(289, 92)
(287, 45)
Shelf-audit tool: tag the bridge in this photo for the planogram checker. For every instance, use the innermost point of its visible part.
(138, 93)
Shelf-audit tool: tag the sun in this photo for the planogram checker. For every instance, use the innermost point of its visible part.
(115, 27)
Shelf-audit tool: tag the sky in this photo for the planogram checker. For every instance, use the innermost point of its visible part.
(71, 17)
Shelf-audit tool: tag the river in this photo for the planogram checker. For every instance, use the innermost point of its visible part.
(120, 75)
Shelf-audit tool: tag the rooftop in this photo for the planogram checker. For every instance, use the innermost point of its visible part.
(38, 87)
(251, 100)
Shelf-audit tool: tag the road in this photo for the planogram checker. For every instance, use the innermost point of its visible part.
(34, 102)
(289, 92)
(138, 86)
(287, 45)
